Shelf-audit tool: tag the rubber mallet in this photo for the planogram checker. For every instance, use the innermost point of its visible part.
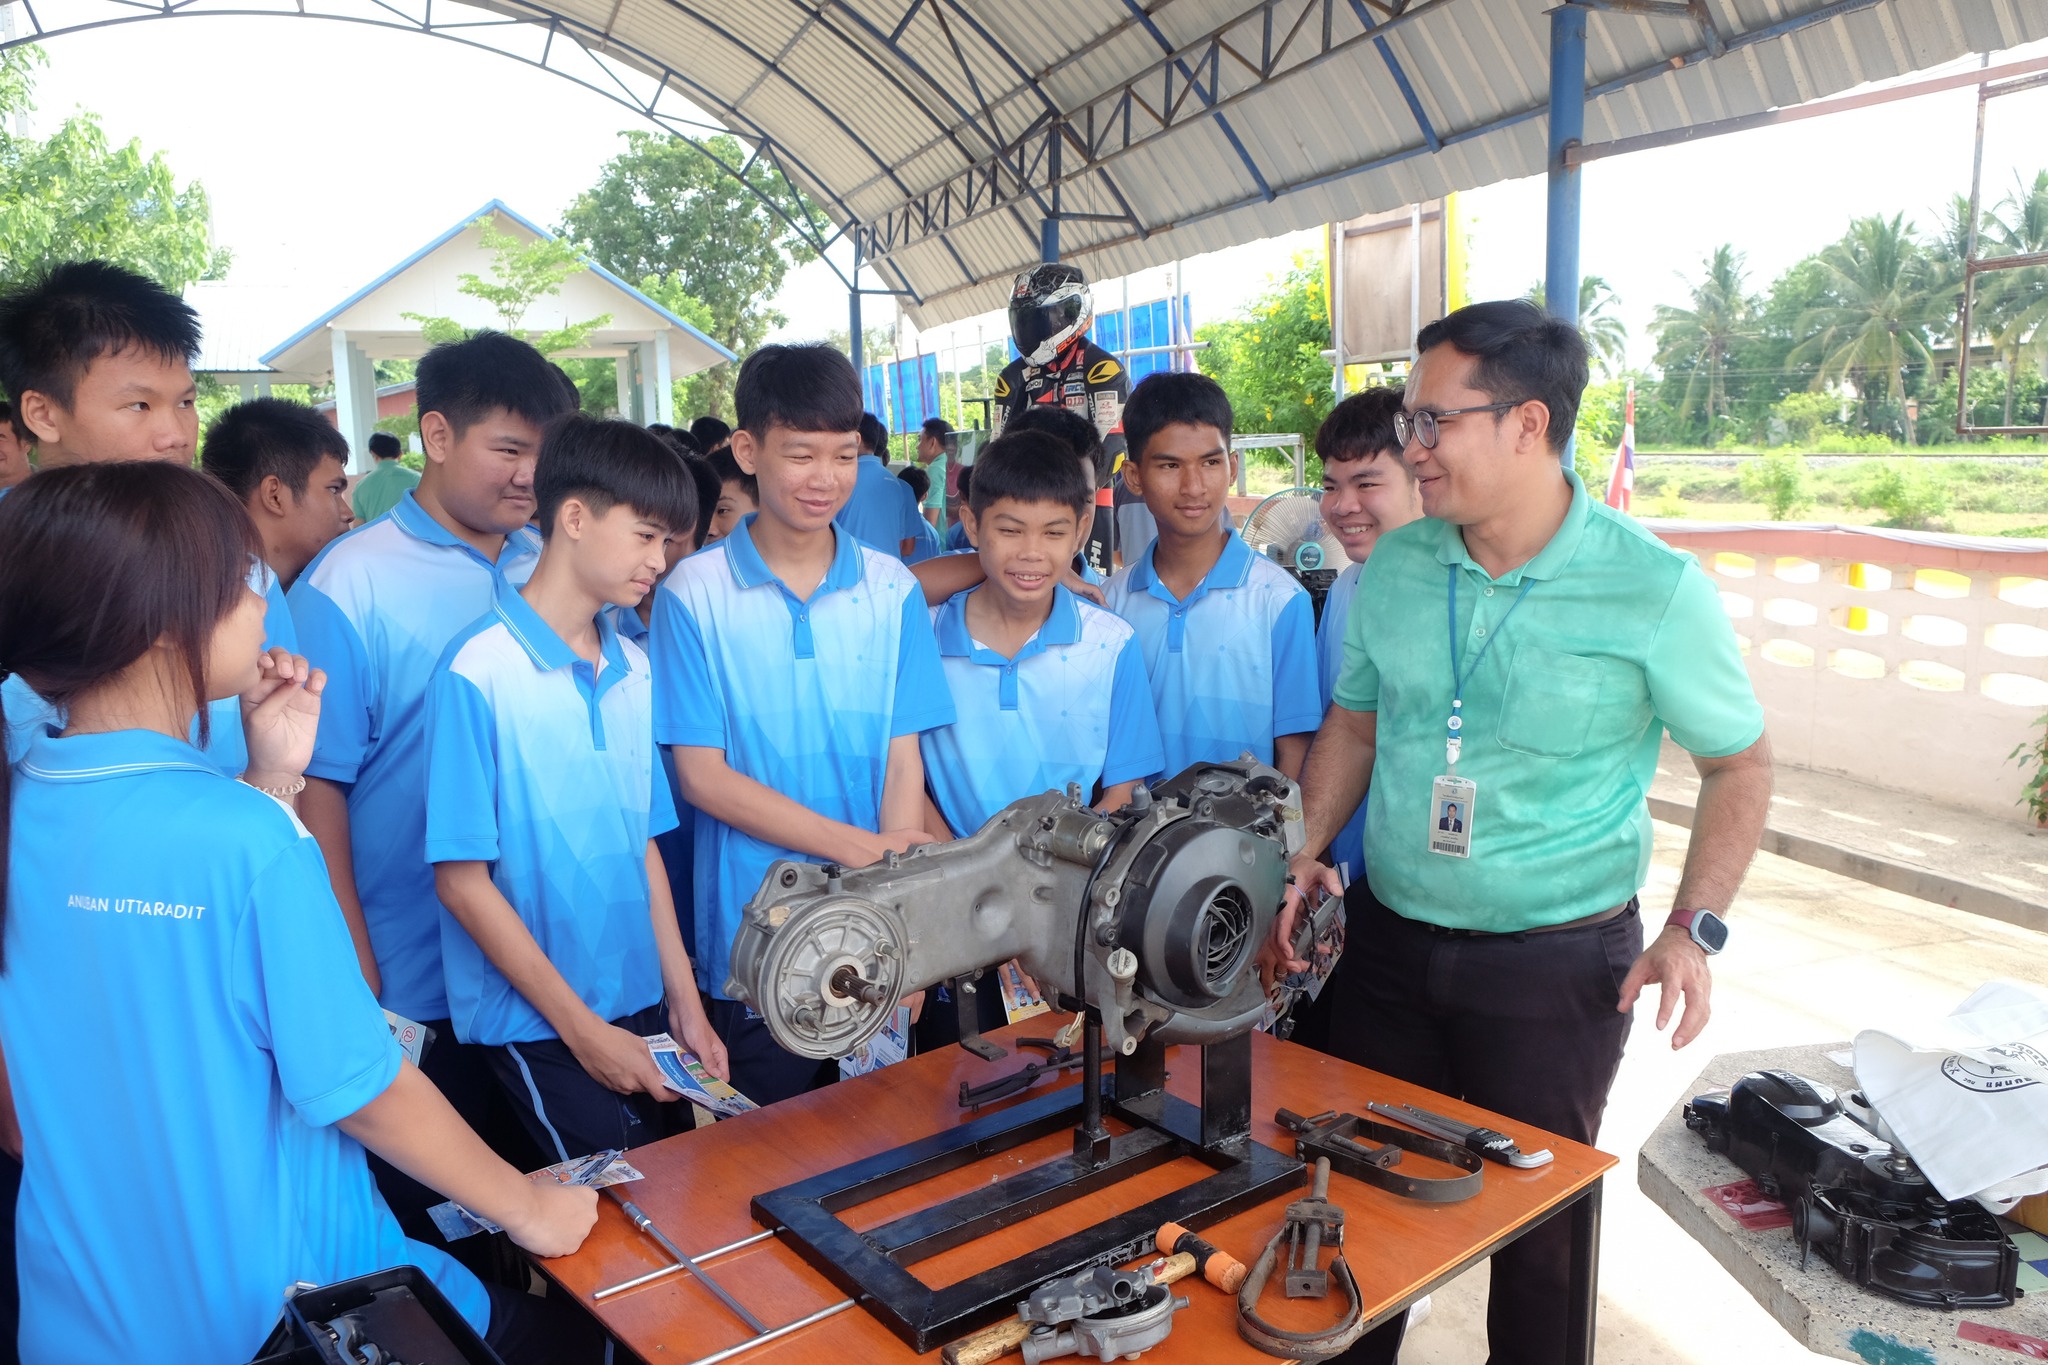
(1218, 1267)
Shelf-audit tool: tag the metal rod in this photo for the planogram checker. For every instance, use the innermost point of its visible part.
(762, 1340)
(1594, 151)
(1964, 324)
(670, 1269)
(1161, 350)
(646, 1225)
(649, 1278)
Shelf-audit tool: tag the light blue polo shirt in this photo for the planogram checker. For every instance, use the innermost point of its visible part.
(1618, 639)
(544, 768)
(1234, 666)
(882, 510)
(185, 1026)
(1347, 850)
(377, 609)
(802, 695)
(1073, 706)
(927, 538)
(227, 748)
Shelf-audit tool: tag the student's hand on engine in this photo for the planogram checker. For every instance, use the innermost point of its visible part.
(557, 1217)
(619, 1060)
(875, 847)
(280, 715)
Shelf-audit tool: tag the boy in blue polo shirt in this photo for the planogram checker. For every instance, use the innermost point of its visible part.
(880, 509)
(560, 946)
(1228, 635)
(98, 361)
(1047, 688)
(924, 540)
(1367, 491)
(1085, 439)
(377, 608)
(794, 669)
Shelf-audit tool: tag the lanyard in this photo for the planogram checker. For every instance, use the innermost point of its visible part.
(1459, 676)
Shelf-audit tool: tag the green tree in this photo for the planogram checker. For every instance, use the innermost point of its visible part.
(1700, 342)
(75, 195)
(672, 220)
(1599, 321)
(1876, 322)
(1269, 358)
(2016, 301)
(522, 273)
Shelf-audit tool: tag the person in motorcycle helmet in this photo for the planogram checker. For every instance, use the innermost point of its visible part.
(1050, 310)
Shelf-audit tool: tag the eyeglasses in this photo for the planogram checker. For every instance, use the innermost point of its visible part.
(1420, 426)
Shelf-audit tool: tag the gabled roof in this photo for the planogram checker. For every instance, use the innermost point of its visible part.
(426, 282)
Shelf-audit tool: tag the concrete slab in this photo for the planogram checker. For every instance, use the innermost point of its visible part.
(1812, 958)
(1903, 842)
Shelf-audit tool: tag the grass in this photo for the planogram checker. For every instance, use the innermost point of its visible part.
(1985, 498)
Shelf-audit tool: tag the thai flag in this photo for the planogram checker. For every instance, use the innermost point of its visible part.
(1621, 485)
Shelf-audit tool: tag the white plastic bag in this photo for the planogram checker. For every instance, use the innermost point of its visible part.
(1968, 1095)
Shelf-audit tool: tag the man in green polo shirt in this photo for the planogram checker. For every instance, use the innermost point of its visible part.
(1511, 665)
(378, 491)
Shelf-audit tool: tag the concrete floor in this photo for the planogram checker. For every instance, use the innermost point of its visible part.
(1813, 957)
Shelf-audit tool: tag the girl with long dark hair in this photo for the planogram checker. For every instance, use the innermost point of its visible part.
(197, 1063)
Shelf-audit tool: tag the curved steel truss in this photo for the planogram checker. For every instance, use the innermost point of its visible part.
(536, 36)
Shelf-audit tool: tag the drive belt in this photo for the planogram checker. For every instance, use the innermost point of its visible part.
(1370, 1152)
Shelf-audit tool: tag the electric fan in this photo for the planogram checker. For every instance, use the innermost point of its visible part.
(1288, 528)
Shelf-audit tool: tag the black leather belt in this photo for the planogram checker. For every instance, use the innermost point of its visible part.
(1371, 1152)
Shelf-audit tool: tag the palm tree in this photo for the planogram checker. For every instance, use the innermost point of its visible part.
(1701, 339)
(2015, 302)
(1606, 334)
(1883, 296)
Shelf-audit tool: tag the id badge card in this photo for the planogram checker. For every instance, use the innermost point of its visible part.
(1450, 816)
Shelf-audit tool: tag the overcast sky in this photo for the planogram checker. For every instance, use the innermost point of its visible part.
(331, 151)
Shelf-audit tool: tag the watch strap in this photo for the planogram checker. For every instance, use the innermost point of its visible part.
(1686, 920)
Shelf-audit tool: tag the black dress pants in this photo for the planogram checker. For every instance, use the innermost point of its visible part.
(1523, 1024)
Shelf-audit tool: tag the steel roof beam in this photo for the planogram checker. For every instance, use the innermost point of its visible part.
(1499, 124)
(1119, 133)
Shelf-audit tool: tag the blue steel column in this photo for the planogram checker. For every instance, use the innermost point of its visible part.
(1049, 240)
(853, 339)
(1567, 127)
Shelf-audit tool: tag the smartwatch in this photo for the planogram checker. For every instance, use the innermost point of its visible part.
(1704, 927)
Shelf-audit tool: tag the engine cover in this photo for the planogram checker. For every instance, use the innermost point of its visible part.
(1152, 915)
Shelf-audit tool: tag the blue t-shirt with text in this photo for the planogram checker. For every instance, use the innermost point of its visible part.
(185, 1025)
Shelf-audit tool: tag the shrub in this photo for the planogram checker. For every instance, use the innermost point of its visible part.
(1908, 497)
(1780, 482)
(1805, 413)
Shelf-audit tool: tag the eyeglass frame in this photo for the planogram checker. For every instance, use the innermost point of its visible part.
(1405, 419)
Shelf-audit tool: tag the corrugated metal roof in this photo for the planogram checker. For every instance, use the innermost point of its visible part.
(1193, 125)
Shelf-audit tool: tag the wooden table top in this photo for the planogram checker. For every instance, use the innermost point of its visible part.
(698, 1186)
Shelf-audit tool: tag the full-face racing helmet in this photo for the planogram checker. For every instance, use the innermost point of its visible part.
(1049, 306)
